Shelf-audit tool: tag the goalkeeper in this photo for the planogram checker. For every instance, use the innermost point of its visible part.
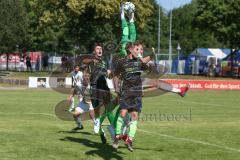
(128, 32)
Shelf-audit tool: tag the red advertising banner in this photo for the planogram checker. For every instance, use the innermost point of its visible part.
(205, 84)
(15, 57)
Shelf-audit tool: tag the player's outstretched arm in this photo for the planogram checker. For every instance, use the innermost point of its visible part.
(125, 33)
(132, 28)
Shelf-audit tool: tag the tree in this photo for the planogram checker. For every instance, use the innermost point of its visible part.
(187, 33)
(222, 18)
(99, 21)
(46, 31)
(13, 25)
(59, 25)
(149, 34)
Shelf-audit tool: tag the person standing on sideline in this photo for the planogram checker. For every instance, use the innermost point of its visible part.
(21, 63)
(28, 63)
(37, 66)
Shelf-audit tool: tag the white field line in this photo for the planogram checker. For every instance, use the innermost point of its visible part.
(13, 88)
(191, 140)
(44, 114)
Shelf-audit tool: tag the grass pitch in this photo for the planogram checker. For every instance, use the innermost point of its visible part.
(203, 125)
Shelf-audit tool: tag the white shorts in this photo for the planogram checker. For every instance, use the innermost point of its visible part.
(83, 107)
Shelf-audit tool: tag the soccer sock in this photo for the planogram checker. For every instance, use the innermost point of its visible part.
(116, 118)
(168, 87)
(125, 124)
(110, 117)
(119, 125)
(72, 103)
(102, 117)
(101, 131)
(78, 121)
(176, 90)
(132, 129)
(80, 98)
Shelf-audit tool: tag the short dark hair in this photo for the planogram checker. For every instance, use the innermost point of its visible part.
(97, 44)
(140, 42)
(131, 44)
(76, 66)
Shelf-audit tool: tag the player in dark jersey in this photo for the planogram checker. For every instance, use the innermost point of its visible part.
(100, 92)
(129, 69)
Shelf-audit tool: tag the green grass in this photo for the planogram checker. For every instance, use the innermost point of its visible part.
(30, 131)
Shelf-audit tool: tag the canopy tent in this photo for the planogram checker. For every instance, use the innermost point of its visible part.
(211, 52)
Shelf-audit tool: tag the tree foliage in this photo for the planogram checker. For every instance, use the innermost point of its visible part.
(187, 33)
(61, 25)
(221, 17)
(13, 25)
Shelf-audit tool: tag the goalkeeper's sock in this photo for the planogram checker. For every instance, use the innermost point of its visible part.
(110, 117)
(119, 125)
(132, 129)
(116, 118)
(101, 130)
(102, 117)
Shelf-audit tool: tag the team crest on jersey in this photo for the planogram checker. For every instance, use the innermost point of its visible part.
(101, 65)
(136, 64)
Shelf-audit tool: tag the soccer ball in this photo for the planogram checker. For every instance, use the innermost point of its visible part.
(129, 7)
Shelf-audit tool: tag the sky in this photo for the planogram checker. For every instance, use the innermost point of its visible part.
(175, 3)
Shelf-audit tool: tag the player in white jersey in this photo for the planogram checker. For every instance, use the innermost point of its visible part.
(76, 85)
(82, 89)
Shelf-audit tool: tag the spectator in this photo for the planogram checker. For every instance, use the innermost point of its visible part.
(211, 70)
(45, 62)
(217, 70)
(21, 63)
(37, 66)
(205, 70)
(64, 60)
(28, 63)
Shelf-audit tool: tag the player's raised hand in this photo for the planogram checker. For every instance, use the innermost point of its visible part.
(122, 12)
(131, 17)
(152, 56)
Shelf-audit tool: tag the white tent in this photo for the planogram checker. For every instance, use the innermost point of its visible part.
(211, 52)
